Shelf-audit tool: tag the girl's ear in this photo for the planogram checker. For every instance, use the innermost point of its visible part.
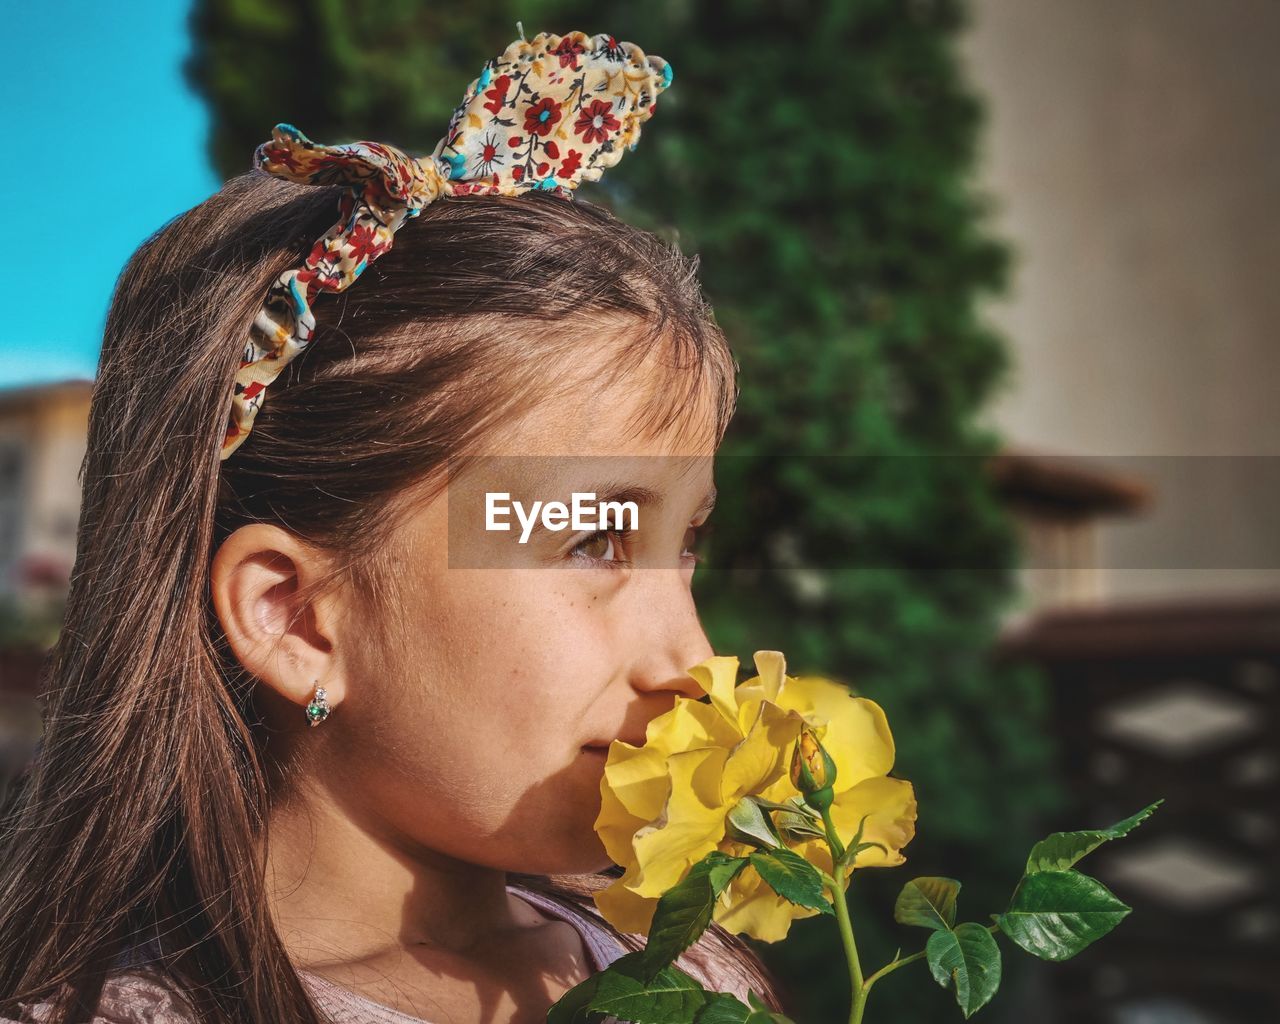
(264, 583)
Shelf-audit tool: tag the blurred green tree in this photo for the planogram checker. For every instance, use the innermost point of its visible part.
(816, 156)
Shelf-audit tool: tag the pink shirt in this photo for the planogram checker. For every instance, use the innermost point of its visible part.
(133, 996)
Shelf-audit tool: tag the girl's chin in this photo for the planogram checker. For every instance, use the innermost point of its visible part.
(582, 853)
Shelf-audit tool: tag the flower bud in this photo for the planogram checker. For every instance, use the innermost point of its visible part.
(813, 771)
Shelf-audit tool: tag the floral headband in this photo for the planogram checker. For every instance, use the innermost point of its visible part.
(550, 112)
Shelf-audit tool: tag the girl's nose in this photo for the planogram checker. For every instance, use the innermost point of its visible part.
(675, 640)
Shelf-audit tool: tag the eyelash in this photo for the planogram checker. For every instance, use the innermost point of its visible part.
(699, 537)
(603, 563)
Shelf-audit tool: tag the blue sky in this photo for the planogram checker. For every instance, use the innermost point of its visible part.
(106, 143)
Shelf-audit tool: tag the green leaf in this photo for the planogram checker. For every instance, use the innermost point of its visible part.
(748, 822)
(671, 998)
(852, 854)
(723, 1008)
(929, 902)
(1061, 850)
(794, 803)
(572, 1007)
(793, 878)
(768, 1017)
(722, 869)
(1055, 914)
(685, 910)
(968, 960)
(798, 827)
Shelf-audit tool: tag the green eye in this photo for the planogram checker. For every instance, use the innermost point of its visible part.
(603, 548)
(598, 545)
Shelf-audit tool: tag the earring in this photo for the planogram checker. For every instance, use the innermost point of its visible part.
(318, 710)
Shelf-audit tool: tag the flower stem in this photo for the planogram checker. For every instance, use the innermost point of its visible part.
(840, 903)
(833, 837)
(893, 965)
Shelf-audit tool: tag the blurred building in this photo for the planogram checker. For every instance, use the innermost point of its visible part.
(42, 443)
(1061, 507)
(1132, 154)
(43, 429)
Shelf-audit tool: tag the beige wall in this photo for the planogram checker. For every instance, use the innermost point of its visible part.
(1133, 150)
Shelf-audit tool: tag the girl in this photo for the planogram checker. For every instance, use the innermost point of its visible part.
(304, 757)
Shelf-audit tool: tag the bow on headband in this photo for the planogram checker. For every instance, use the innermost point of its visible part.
(550, 112)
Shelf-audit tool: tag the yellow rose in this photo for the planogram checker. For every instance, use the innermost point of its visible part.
(664, 805)
(856, 734)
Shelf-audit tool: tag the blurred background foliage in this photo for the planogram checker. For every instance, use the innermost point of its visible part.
(817, 157)
(27, 628)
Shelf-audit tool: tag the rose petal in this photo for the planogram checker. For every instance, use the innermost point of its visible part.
(624, 909)
(892, 806)
(692, 825)
(638, 779)
(749, 906)
(690, 724)
(763, 756)
(718, 677)
(771, 673)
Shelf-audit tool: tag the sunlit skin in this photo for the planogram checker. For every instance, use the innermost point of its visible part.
(456, 752)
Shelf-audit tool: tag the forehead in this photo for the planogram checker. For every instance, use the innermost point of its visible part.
(590, 434)
(596, 408)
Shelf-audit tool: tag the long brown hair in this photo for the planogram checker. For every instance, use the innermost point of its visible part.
(145, 811)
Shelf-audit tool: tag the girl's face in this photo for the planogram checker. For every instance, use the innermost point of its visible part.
(467, 725)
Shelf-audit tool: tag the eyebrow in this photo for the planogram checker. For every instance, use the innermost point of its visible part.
(642, 495)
